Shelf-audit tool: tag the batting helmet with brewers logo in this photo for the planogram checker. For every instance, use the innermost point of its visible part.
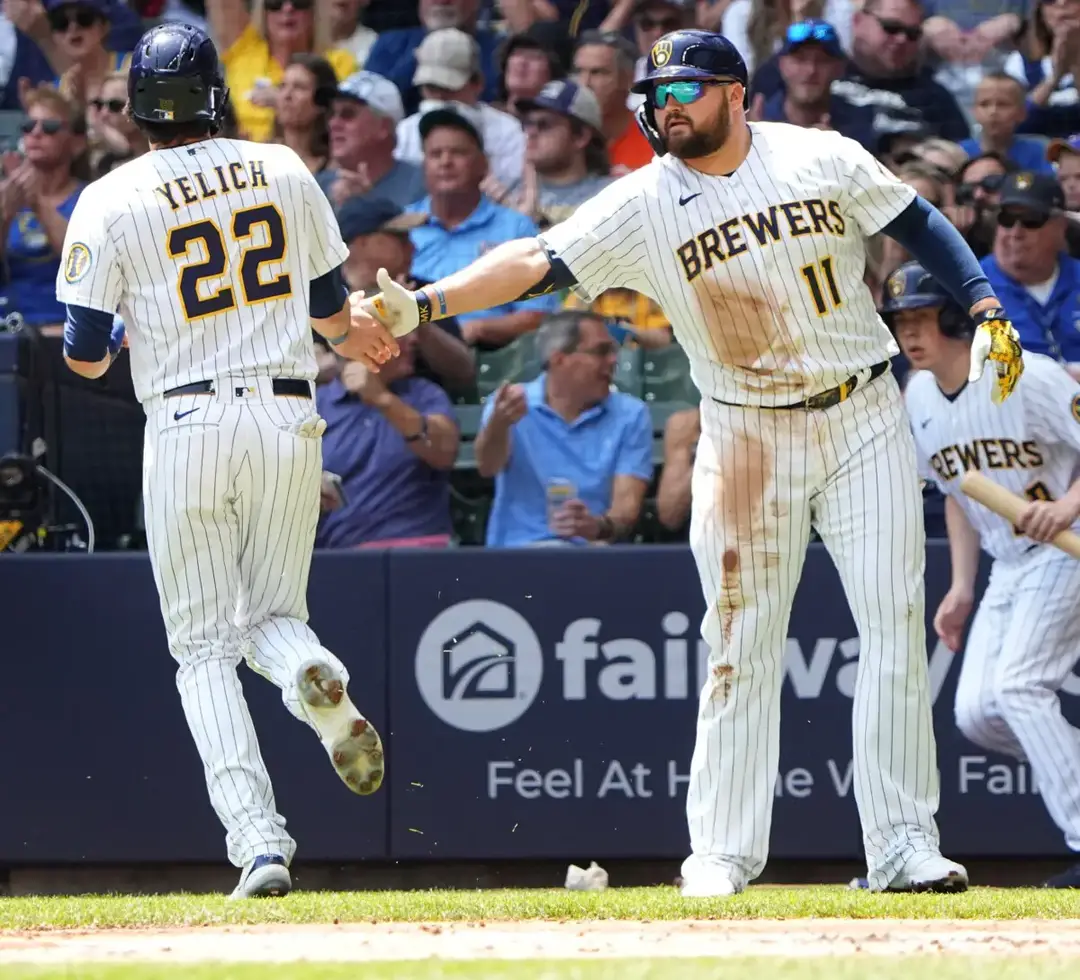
(911, 287)
(689, 55)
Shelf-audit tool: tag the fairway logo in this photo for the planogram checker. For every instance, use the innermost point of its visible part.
(479, 665)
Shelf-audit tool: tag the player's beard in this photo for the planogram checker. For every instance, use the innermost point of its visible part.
(693, 143)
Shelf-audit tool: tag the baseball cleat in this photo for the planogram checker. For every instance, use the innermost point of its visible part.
(350, 739)
(930, 873)
(266, 877)
(1067, 879)
(709, 884)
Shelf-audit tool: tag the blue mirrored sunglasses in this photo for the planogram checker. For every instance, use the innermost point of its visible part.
(809, 31)
(684, 92)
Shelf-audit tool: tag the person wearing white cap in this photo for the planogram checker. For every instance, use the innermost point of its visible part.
(364, 115)
(448, 73)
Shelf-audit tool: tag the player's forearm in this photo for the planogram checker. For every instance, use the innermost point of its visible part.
(963, 547)
(501, 276)
(333, 327)
(492, 448)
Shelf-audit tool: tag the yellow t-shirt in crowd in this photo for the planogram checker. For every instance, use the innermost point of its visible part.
(249, 60)
(623, 304)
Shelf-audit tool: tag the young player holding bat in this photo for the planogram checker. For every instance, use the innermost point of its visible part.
(1025, 639)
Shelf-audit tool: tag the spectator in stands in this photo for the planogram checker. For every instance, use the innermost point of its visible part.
(392, 437)
(932, 184)
(999, 109)
(758, 27)
(308, 87)
(576, 15)
(77, 48)
(448, 74)
(256, 46)
(810, 61)
(681, 433)
(975, 215)
(946, 156)
(886, 73)
(604, 62)
(191, 12)
(652, 19)
(463, 224)
(347, 31)
(1064, 155)
(37, 197)
(112, 134)
(567, 426)
(23, 28)
(565, 151)
(1030, 271)
(960, 32)
(394, 53)
(364, 115)
(528, 61)
(377, 233)
(1047, 65)
(624, 309)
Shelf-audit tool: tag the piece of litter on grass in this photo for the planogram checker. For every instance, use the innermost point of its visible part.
(421, 785)
(591, 879)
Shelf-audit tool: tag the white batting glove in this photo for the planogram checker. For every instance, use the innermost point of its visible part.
(997, 340)
(394, 307)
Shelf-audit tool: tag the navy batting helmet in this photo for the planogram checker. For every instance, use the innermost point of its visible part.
(690, 55)
(911, 287)
(175, 77)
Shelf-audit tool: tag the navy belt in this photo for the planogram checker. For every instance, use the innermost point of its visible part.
(281, 386)
(826, 399)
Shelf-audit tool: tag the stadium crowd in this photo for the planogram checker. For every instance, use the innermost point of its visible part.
(440, 128)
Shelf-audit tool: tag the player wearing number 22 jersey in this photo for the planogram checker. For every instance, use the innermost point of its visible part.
(1025, 639)
(220, 257)
(752, 238)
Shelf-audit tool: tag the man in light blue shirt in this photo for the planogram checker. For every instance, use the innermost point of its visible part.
(463, 225)
(571, 458)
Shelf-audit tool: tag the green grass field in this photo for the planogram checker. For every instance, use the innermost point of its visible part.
(763, 902)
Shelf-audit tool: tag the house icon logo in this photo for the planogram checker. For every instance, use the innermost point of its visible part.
(479, 665)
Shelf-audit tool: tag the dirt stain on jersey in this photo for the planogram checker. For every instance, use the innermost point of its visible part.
(723, 676)
(747, 331)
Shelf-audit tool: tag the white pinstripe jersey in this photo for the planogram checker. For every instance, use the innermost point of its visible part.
(1030, 443)
(760, 272)
(206, 250)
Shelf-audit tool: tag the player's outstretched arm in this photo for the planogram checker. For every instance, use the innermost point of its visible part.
(368, 343)
(952, 614)
(513, 271)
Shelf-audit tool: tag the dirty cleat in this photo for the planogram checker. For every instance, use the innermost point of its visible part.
(1066, 879)
(930, 873)
(354, 746)
(709, 883)
(266, 877)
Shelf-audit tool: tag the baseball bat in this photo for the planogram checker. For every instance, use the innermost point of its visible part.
(1007, 504)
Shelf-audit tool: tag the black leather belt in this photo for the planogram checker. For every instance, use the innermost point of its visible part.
(827, 399)
(281, 386)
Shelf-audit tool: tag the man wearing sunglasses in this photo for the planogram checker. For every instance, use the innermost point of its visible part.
(752, 238)
(1030, 268)
(886, 72)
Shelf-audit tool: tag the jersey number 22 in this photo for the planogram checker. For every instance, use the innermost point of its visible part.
(194, 300)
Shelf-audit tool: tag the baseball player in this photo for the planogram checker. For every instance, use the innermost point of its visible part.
(218, 254)
(1025, 639)
(751, 237)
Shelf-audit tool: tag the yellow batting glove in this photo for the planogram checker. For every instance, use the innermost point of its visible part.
(997, 340)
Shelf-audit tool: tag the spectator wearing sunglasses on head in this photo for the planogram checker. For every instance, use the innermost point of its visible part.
(256, 47)
(37, 197)
(886, 72)
(810, 61)
(1030, 270)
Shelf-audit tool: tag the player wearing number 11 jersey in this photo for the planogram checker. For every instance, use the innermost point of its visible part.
(221, 255)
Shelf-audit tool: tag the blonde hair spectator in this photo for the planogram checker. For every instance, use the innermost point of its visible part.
(256, 46)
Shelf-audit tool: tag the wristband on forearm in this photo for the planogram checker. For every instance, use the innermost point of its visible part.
(425, 305)
(335, 341)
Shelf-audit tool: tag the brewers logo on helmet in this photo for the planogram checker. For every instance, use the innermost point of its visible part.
(691, 55)
(911, 287)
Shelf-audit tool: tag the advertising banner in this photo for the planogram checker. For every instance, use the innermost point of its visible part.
(96, 760)
(544, 704)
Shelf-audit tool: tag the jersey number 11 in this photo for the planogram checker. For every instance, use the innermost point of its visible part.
(814, 281)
